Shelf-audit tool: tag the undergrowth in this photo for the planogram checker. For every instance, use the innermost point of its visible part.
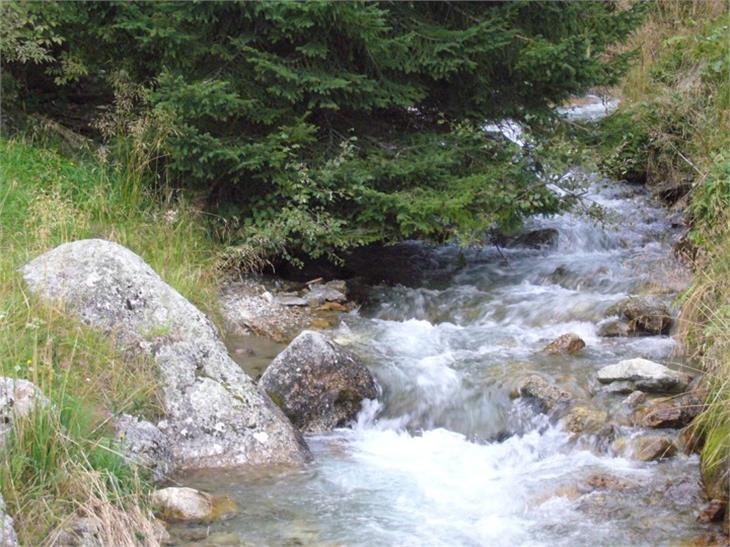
(63, 461)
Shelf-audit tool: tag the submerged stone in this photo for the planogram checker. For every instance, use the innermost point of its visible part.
(646, 448)
(176, 504)
(644, 314)
(569, 343)
(545, 396)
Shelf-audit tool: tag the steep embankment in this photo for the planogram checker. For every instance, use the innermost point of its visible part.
(673, 133)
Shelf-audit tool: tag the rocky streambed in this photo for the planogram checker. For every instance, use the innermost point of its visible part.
(529, 395)
(526, 392)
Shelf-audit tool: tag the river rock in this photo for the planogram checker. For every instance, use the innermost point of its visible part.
(215, 415)
(545, 396)
(18, 398)
(646, 447)
(318, 384)
(714, 511)
(613, 328)
(635, 398)
(290, 299)
(619, 388)
(333, 291)
(645, 314)
(583, 419)
(672, 412)
(248, 307)
(569, 343)
(601, 481)
(645, 375)
(534, 239)
(181, 504)
(143, 443)
(8, 538)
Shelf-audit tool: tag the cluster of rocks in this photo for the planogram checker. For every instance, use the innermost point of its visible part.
(214, 414)
(280, 313)
(673, 405)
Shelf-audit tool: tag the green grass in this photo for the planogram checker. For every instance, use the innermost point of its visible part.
(63, 459)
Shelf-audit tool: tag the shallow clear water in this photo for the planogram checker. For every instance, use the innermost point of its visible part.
(445, 456)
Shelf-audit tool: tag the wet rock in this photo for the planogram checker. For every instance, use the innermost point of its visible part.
(569, 343)
(645, 314)
(285, 299)
(582, 419)
(713, 512)
(534, 239)
(645, 375)
(646, 448)
(18, 398)
(613, 328)
(318, 384)
(634, 399)
(546, 397)
(144, 444)
(181, 504)
(332, 306)
(215, 415)
(672, 412)
(714, 478)
(7, 531)
(619, 388)
(329, 292)
(603, 438)
(603, 481)
(248, 307)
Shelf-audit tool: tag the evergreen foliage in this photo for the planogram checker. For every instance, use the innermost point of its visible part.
(315, 126)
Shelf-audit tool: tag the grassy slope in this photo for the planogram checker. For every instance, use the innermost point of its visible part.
(64, 461)
(673, 132)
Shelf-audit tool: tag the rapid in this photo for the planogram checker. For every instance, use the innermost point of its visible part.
(448, 455)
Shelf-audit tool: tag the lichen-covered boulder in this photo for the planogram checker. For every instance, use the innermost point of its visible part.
(18, 398)
(7, 532)
(144, 444)
(318, 384)
(215, 415)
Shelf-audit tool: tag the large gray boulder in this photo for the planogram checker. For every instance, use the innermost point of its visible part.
(144, 444)
(318, 384)
(18, 399)
(7, 532)
(644, 375)
(215, 415)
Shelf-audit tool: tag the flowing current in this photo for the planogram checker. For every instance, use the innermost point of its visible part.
(446, 455)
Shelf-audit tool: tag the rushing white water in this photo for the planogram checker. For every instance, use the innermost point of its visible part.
(446, 456)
